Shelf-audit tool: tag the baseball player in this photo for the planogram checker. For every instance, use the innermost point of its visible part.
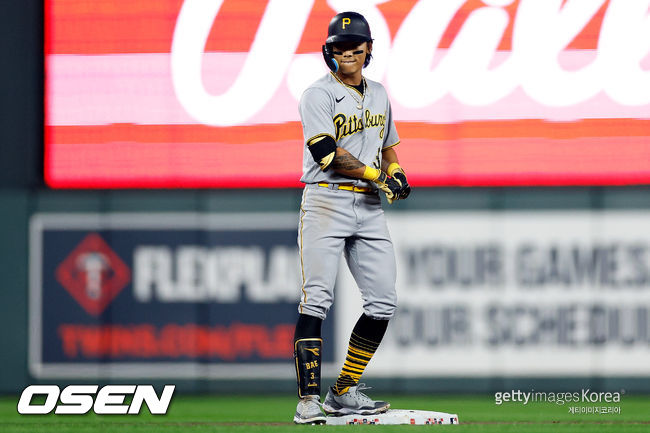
(349, 157)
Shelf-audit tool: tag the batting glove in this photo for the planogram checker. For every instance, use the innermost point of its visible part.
(385, 183)
(398, 174)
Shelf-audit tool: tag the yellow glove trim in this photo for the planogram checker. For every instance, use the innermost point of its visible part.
(371, 173)
(393, 167)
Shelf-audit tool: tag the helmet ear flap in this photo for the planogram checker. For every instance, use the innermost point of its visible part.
(329, 58)
(368, 58)
(368, 53)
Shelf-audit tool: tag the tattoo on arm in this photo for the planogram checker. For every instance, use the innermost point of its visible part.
(346, 162)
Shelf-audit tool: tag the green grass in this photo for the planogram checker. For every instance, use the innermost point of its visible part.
(198, 414)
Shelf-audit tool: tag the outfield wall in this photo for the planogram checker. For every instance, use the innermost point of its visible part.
(497, 287)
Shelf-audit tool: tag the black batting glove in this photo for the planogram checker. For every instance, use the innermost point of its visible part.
(406, 188)
(390, 186)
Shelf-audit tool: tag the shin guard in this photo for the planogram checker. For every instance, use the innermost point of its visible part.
(307, 354)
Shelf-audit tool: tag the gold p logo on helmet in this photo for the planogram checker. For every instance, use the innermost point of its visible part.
(345, 22)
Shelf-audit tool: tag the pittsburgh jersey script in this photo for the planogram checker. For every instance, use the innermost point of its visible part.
(330, 107)
(351, 125)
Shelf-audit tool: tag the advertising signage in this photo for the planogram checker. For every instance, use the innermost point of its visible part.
(193, 93)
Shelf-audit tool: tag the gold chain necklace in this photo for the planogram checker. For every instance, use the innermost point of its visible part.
(363, 96)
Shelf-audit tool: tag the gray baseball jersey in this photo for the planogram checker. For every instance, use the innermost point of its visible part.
(336, 221)
(329, 107)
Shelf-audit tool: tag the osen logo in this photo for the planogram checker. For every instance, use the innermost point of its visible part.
(80, 399)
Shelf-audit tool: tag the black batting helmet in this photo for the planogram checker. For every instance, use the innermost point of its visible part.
(346, 27)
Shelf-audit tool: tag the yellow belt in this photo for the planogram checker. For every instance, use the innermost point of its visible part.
(346, 187)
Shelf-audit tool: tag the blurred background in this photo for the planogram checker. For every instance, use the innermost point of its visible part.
(149, 193)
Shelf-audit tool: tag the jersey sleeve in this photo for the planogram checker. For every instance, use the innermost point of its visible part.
(390, 137)
(316, 114)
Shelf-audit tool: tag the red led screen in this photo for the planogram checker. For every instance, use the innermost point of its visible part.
(195, 93)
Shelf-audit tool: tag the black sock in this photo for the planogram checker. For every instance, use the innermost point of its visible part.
(307, 326)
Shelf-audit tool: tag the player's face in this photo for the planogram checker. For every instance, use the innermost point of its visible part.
(350, 56)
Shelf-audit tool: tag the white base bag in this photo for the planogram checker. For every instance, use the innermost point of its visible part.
(396, 416)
